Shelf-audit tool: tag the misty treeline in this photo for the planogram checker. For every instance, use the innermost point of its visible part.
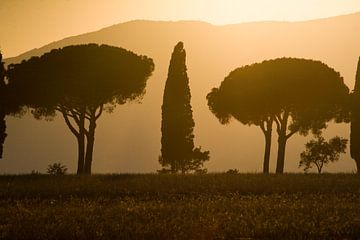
(285, 96)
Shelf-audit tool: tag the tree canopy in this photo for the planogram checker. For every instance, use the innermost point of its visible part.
(297, 94)
(80, 82)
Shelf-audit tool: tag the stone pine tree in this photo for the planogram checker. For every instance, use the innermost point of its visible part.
(298, 95)
(355, 121)
(177, 141)
(81, 83)
(2, 106)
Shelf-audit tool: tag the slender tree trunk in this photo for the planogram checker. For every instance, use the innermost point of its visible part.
(267, 154)
(81, 154)
(81, 144)
(3, 104)
(318, 167)
(2, 132)
(267, 134)
(357, 161)
(281, 154)
(282, 139)
(355, 141)
(90, 144)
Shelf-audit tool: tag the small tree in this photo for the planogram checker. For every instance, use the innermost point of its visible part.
(320, 152)
(177, 126)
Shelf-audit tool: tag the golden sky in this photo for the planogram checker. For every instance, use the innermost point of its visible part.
(27, 24)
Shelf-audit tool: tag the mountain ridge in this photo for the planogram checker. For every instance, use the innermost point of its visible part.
(355, 14)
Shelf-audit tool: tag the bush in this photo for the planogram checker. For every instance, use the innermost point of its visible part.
(232, 171)
(56, 169)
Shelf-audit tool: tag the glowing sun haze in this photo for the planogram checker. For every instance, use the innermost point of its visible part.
(26, 24)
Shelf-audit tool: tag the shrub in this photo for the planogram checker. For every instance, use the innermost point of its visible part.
(56, 169)
(232, 171)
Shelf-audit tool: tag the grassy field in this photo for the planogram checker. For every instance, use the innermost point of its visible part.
(211, 206)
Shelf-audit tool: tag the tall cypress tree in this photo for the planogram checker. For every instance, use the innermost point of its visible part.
(2, 106)
(177, 141)
(355, 121)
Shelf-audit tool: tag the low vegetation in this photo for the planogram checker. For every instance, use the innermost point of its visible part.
(55, 169)
(320, 153)
(162, 206)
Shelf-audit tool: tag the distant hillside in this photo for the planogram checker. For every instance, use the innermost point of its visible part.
(129, 139)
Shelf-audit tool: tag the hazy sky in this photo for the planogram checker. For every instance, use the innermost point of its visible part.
(27, 24)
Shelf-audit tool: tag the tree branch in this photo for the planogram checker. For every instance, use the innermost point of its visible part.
(269, 122)
(100, 111)
(75, 117)
(65, 110)
(291, 133)
(277, 121)
(68, 123)
(262, 126)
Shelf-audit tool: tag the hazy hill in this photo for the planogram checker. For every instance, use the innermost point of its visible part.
(129, 139)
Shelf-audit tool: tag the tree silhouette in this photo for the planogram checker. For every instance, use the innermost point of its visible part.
(242, 100)
(2, 106)
(299, 95)
(177, 141)
(80, 82)
(355, 121)
(320, 152)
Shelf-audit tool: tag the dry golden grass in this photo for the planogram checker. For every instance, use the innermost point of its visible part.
(211, 206)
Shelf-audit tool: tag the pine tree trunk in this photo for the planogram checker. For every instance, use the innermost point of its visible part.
(2, 132)
(357, 166)
(81, 143)
(355, 140)
(90, 146)
(282, 139)
(267, 151)
(3, 104)
(281, 154)
(81, 154)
